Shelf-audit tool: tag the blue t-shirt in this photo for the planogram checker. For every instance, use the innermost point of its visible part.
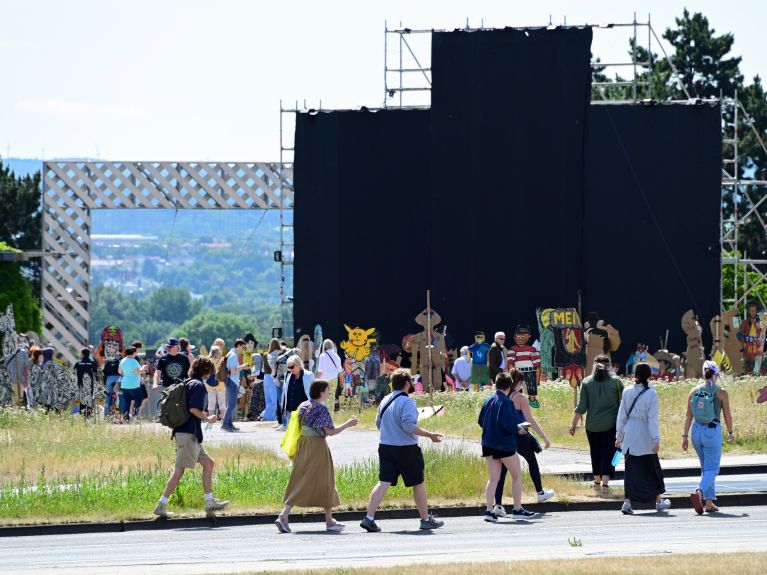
(130, 380)
(195, 398)
(233, 363)
(479, 353)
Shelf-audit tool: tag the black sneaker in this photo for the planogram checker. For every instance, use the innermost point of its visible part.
(490, 517)
(369, 525)
(523, 513)
(431, 523)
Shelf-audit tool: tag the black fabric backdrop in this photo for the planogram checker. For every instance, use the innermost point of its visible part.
(510, 193)
(638, 275)
(508, 114)
(362, 182)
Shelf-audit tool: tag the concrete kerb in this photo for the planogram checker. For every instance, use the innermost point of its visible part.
(677, 502)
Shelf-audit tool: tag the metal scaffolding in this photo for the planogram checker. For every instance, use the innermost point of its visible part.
(286, 254)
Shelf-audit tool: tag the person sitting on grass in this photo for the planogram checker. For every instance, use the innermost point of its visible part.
(499, 423)
(313, 481)
(188, 437)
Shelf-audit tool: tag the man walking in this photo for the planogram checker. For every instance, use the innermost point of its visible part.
(496, 357)
(188, 437)
(171, 367)
(398, 451)
(233, 367)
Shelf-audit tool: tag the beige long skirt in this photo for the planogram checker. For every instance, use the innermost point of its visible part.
(313, 479)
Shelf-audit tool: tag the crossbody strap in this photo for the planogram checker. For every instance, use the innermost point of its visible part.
(635, 402)
(392, 400)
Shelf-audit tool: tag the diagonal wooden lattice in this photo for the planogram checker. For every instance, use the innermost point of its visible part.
(72, 189)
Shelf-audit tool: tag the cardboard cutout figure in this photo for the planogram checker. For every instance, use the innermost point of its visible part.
(430, 367)
(725, 328)
(14, 361)
(751, 335)
(479, 372)
(569, 354)
(357, 346)
(526, 359)
(109, 354)
(57, 385)
(693, 367)
(601, 338)
(317, 351)
(546, 344)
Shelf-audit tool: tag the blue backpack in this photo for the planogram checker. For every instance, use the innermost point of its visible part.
(702, 404)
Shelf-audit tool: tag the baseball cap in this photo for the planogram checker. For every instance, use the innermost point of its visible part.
(172, 341)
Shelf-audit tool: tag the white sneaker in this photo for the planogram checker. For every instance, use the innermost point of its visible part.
(161, 510)
(663, 505)
(545, 495)
(499, 511)
(215, 505)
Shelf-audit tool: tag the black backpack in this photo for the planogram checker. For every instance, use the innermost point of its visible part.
(173, 409)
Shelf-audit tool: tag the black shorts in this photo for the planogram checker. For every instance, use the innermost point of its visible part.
(496, 453)
(144, 394)
(404, 460)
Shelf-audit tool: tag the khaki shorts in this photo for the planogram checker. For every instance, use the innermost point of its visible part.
(188, 450)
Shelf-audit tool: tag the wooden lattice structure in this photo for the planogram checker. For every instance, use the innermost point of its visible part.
(72, 189)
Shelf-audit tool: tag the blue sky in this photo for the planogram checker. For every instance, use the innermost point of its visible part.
(202, 80)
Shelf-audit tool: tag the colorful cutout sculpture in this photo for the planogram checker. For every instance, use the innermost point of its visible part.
(601, 338)
(357, 346)
(546, 343)
(479, 350)
(569, 354)
(724, 333)
(428, 350)
(527, 360)
(751, 335)
(693, 367)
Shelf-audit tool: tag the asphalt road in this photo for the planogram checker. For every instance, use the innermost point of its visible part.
(467, 539)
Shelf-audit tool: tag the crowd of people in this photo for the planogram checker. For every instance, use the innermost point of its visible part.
(278, 383)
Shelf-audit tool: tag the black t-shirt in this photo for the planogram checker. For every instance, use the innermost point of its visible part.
(195, 398)
(111, 366)
(173, 368)
(85, 366)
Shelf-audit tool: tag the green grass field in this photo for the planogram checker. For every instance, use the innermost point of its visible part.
(555, 415)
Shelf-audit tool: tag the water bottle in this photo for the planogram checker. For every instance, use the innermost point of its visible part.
(209, 426)
(617, 457)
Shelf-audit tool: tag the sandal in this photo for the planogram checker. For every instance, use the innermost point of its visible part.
(605, 490)
(282, 525)
(712, 509)
(697, 501)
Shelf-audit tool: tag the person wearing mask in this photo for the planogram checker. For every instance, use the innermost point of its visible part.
(233, 368)
(270, 385)
(637, 434)
(215, 385)
(312, 480)
(399, 453)
(188, 438)
(172, 367)
(600, 398)
(130, 372)
(500, 430)
(497, 356)
(295, 390)
(705, 407)
(329, 368)
(462, 370)
(526, 444)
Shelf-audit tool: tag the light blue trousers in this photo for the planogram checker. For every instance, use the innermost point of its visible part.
(707, 442)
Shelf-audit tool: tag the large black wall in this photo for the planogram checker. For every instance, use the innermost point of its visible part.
(651, 228)
(511, 193)
(361, 225)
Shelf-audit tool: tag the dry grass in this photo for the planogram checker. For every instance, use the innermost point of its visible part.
(555, 415)
(730, 563)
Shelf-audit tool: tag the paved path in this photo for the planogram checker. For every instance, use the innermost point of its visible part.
(467, 539)
(359, 445)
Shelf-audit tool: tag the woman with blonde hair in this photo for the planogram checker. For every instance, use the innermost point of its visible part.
(312, 481)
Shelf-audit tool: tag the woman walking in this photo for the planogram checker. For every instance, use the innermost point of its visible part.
(329, 367)
(526, 444)
(600, 398)
(312, 481)
(638, 436)
(499, 423)
(270, 382)
(706, 405)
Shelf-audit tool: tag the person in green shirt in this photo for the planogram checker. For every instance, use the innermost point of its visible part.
(600, 397)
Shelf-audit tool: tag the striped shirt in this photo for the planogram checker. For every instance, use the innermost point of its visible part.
(524, 356)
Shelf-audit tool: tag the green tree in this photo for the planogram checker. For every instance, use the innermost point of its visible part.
(207, 326)
(21, 222)
(172, 304)
(16, 290)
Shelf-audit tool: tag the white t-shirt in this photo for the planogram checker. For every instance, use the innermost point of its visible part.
(462, 370)
(330, 365)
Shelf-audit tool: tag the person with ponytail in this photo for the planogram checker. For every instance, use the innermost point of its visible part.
(638, 436)
(706, 405)
(600, 397)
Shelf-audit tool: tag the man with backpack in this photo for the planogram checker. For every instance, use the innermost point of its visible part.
(398, 451)
(181, 408)
(706, 405)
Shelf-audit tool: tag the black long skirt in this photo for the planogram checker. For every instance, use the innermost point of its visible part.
(643, 479)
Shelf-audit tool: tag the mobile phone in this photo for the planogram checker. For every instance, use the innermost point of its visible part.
(524, 425)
